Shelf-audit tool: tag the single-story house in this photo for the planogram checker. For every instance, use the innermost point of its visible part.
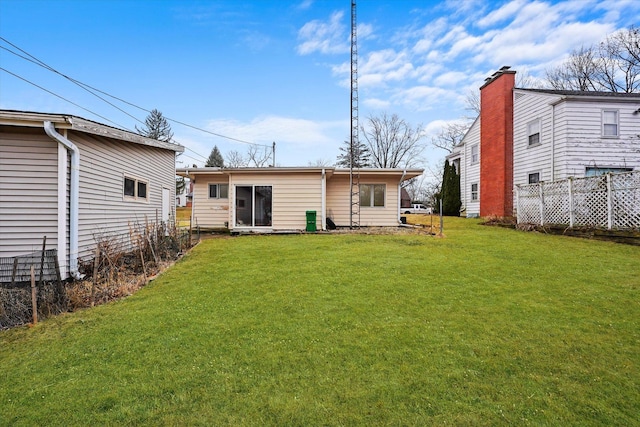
(525, 136)
(69, 179)
(278, 198)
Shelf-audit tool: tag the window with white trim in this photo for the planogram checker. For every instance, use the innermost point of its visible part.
(534, 178)
(533, 132)
(372, 195)
(596, 171)
(610, 123)
(135, 189)
(474, 191)
(475, 154)
(218, 191)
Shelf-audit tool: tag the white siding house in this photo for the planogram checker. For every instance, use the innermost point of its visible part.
(49, 160)
(555, 134)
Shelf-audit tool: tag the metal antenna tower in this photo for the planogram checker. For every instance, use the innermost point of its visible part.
(354, 147)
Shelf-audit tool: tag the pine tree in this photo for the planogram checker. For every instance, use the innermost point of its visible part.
(215, 159)
(450, 191)
(361, 156)
(156, 127)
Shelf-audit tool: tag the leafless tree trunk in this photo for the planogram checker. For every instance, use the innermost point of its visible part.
(235, 159)
(613, 66)
(450, 135)
(393, 142)
(258, 156)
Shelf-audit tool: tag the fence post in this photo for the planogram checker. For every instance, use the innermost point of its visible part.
(609, 203)
(44, 246)
(96, 265)
(571, 214)
(517, 204)
(34, 295)
(540, 186)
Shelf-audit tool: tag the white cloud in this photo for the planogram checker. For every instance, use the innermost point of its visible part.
(376, 103)
(265, 129)
(324, 37)
(505, 12)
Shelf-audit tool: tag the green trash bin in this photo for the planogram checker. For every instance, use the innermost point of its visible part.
(311, 221)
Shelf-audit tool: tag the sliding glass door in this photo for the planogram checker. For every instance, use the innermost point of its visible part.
(253, 205)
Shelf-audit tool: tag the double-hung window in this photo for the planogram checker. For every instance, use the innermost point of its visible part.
(533, 131)
(610, 123)
(474, 191)
(372, 195)
(135, 189)
(218, 191)
(475, 154)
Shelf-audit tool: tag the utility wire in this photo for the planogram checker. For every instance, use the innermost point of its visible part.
(84, 86)
(63, 98)
(90, 111)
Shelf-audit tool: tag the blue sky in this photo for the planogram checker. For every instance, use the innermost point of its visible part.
(265, 71)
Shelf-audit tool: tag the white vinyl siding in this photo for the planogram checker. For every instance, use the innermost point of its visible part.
(339, 209)
(103, 164)
(610, 123)
(208, 212)
(28, 191)
(292, 195)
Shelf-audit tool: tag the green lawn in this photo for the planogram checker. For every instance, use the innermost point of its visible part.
(487, 326)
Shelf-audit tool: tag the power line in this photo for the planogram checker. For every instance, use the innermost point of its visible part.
(84, 86)
(63, 98)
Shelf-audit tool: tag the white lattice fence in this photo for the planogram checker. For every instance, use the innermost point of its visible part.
(609, 201)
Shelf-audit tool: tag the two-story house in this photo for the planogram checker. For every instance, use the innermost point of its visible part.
(523, 136)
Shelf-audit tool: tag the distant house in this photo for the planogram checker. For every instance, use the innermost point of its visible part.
(70, 179)
(524, 136)
(277, 199)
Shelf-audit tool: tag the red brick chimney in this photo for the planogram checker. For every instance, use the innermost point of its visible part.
(496, 146)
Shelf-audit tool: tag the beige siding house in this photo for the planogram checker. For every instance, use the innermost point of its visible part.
(71, 179)
(277, 199)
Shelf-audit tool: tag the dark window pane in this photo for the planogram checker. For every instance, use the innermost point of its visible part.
(213, 191)
(142, 190)
(129, 187)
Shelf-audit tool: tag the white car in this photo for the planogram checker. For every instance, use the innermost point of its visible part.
(417, 208)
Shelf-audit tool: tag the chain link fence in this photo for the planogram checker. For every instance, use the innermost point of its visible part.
(610, 201)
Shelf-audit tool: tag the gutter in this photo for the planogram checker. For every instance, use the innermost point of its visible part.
(324, 200)
(50, 130)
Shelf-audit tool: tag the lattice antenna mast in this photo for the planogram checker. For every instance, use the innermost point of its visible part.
(354, 147)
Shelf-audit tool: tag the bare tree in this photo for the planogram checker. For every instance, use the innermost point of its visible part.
(258, 156)
(235, 159)
(450, 135)
(620, 61)
(612, 66)
(320, 163)
(392, 141)
(579, 72)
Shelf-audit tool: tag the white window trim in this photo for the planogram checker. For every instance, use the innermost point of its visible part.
(217, 184)
(477, 160)
(372, 206)
(534, 172)
(617, 123)
(135, 197)
(537, 122)
(477, 199)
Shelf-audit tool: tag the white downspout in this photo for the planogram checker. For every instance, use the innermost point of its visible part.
(404, 172)
(324, 200)
(50, 130)
(553, 142)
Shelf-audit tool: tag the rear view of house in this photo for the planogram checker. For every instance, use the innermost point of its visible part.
(278, 199)
(71, 179)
